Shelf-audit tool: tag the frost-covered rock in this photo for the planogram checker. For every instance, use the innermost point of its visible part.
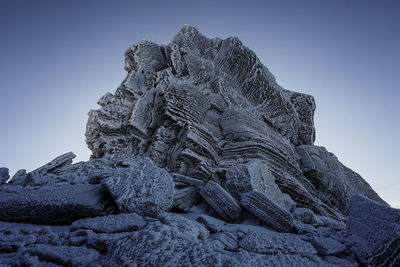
(261, 206)
(64, 255)
(185, 198)
(255, 175)
(19, 178)
(4, 176)
(123, 222)
(328, 246)
(334, 182)
(146, 189)
(221, 201)
(60, 204)
(196, 117)
(374, 229)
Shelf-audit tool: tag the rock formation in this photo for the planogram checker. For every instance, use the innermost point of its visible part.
(198, 158)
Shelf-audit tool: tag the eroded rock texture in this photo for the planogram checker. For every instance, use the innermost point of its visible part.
(198, 127)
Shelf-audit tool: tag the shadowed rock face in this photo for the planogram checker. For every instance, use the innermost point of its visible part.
(198, 127)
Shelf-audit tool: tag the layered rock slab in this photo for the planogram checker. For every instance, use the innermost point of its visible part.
(60, 204)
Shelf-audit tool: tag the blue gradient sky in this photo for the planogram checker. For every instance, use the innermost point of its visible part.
(58, 57)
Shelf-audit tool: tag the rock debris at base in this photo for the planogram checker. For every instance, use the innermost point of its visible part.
(198, 158)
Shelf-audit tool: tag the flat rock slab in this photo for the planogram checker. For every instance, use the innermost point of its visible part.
(61, 204)
(123, 222)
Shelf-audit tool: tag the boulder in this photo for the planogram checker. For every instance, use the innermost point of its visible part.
(144, 189)
(221, 201)
(261, 206)
(255, 175)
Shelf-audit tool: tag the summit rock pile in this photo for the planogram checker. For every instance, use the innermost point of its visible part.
(199, 157)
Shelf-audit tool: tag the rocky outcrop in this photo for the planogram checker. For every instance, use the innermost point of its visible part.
(198, 127)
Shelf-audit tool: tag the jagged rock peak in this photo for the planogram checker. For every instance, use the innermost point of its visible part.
(182, 91)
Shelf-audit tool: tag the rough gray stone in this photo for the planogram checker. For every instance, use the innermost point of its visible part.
(258, 204)
(146, 189)
(221, 201)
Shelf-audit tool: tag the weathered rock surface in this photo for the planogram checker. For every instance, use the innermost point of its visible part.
(255, 175)
(374, 231)
(335, 184)
(4, 176)
(123, 222)
(53, 204)
(221, 201)
(146, 189)
(196, 126)
(186, 198)
(261, 206)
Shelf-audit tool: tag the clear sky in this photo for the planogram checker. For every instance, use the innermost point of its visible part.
(58, 57)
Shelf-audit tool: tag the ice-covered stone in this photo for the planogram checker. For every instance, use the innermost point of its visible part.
(374, 229)
(221, 201)
(255, 175)
(4, 176)
(334, 182)
(123, 222)
(60, 204)
(261, 206)
(185, 198)
(146, 189)
(327, 246)
(305, 216)
(19, 178)
(64, 255)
